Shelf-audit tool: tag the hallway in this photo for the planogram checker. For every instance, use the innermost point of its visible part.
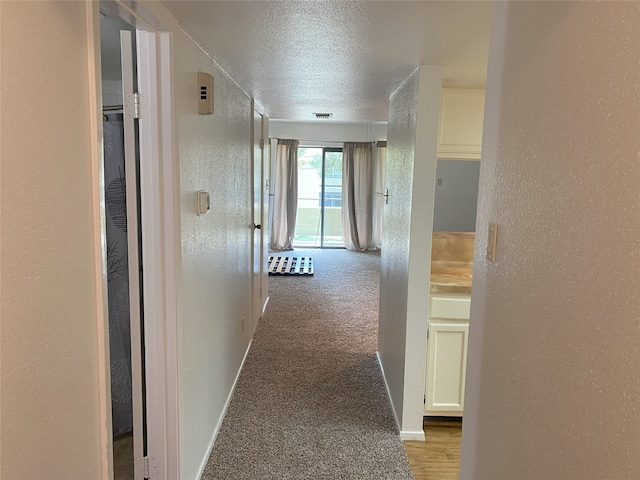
(310, 401)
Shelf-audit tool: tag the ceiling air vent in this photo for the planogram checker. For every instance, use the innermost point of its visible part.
(323, 116)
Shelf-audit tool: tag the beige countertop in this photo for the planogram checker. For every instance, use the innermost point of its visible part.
(451, 277)
(451, 262)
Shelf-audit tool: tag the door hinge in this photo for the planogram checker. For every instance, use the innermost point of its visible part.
(427, 333)
(145, 467)
(136, 105)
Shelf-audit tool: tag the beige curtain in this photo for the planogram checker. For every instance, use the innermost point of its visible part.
(285, 195)
(357, 195)
(379, 190)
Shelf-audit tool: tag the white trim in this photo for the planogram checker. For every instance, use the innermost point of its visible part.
(404, 434)
(216, 430)
(99, 233)
(384, 378)
(158, 207)
(409, 435)
(170, 196)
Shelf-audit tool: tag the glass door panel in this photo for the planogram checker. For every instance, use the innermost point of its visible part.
(318, 221)
(332, 199)
(309, 214)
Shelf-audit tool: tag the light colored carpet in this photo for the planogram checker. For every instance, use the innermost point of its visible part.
(310, 402)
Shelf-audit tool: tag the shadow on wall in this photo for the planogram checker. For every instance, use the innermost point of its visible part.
(456, 195)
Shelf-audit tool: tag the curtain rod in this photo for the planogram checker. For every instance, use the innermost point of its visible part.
(381, 143)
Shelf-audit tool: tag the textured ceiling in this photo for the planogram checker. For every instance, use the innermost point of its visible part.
(344, 57)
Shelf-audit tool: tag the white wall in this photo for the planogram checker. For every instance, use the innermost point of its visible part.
(394, 260)
(327, 131)
(214, 155)
(405, 259)
(50, 312)
(552, 380)
(111, 92)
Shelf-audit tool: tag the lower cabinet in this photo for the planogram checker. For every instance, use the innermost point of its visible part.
(447, 341)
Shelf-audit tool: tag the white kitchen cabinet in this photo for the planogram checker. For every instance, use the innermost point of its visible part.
(447, 355)
(461, 121)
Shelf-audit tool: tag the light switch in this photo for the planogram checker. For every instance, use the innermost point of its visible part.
(492, 241)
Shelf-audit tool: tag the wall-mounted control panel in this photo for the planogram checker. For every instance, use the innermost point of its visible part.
(205, 94)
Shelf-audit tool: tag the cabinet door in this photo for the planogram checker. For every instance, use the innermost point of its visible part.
(461, 119)
(446, 368)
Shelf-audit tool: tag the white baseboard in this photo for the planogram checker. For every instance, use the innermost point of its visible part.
(384, 378)
(264, 307)
(407, 435)
(224, 413)
(404, 434)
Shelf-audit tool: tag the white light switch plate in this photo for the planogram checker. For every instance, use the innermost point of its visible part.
(492, 241)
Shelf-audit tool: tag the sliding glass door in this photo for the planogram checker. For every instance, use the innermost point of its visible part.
(318, 222)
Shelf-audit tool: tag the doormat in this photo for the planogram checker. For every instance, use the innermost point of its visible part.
(290, 266)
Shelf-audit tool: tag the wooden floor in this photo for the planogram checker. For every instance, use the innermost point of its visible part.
(438, 457)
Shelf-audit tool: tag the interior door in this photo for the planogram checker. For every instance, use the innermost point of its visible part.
(132, 165)
(258, 260)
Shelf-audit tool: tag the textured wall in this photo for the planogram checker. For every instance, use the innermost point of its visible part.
(394, 258)
(421, 231)
(50, 425)
(552, 382)
(405, 259)
(215, 155)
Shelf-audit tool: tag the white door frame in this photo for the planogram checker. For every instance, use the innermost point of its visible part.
(160, 238)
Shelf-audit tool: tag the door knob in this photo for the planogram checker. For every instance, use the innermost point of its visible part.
(257, 227)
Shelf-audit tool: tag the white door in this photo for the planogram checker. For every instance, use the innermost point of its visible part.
(132, 162)
(446, 368)
(258, 268)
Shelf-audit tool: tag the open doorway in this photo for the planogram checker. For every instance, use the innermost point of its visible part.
(145, 203)
(121, 156)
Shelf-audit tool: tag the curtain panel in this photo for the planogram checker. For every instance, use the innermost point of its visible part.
(357, 195)
(285, 195)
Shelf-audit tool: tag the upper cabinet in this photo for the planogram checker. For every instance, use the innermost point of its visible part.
(461, 118)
